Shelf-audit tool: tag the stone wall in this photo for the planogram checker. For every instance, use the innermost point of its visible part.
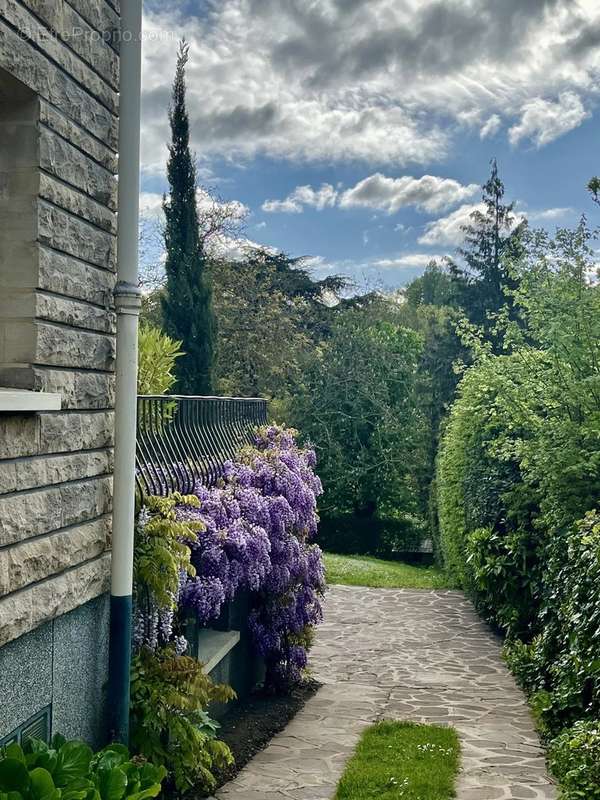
(61, 664)
(59, 69)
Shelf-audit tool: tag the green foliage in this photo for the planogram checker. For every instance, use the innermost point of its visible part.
(574, 758)
(162, 549)
(187, 300)
(433, 288)
(431, 310)
(464, 486)
(359, 405)
(519, 486)
(505, 576)
(560, 668)
(157, 356)
(261, 330)
(402, 759)
(70, 771)
(594, 188)
(521, 453)
(170, 725)
(485, 284)
(270, 312)
(169, 692)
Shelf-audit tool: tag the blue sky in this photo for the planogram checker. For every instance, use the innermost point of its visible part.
(358, 134)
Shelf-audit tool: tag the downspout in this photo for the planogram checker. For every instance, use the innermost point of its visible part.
(127, 306)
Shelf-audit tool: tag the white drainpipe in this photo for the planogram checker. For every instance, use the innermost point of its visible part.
(127, 304)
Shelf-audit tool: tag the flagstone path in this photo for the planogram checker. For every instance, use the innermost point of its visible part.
(403, 654)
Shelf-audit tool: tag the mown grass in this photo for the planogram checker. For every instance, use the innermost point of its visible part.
(402, 761)
(368, 571)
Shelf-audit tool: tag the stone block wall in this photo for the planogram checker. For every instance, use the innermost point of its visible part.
(59, 69)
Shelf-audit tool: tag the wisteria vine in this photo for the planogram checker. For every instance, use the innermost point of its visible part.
(256, 531)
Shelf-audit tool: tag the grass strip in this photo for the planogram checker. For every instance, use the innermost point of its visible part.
(402, 761)
(379, 574)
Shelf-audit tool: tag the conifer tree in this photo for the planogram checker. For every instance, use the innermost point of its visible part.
(187, 302)
(493, 238)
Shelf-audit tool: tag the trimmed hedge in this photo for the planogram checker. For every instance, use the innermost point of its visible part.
(488, 536)
(518, 490)
(574, 757)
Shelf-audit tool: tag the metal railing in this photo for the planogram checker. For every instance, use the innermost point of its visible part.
(185, 440)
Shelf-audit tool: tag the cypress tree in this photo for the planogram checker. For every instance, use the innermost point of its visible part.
(187, 303)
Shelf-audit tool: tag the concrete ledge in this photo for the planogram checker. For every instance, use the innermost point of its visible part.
(213, 646)
(19, 400)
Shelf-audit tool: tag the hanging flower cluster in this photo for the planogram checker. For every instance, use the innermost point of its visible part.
(161, 568)
(258, 525)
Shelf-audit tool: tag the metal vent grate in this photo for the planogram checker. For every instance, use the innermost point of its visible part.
(37, 727)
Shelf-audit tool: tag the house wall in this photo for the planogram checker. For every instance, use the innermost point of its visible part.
(57, 334)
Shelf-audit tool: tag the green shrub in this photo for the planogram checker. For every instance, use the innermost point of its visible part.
(390, 537)
(157, 354)
(170, 725)
(463, 443)
(574, 758)
(70, 771)
(170, 693)
(518, 481)
(359, 404)
(570, 640)
(505, 569)
(488, 538)
(526, 660)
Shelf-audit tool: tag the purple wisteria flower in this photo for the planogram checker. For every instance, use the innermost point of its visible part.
(258, 525)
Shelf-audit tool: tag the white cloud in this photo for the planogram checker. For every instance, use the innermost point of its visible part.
(490, 127)
(335, 80)
(287, 206)
(235, 248)
(151, 205)
(385, 274)
(318, 198)
(428, 193)
(406, 261)
(294, 203)
(448, 231)
(225, 241)
(548, 214)
(542, 121)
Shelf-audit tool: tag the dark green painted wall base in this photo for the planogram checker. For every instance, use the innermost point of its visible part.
(120, 667)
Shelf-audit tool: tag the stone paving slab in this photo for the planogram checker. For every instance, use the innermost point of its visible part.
(402, 654)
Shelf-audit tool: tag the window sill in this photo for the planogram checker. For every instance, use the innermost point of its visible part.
(20, 400)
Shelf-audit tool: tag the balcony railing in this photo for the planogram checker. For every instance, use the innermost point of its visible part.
(185, 440)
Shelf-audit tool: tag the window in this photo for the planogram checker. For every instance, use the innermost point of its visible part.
(19, 263)
(38, 727)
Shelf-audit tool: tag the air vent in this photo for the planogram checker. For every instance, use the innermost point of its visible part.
(37, 727)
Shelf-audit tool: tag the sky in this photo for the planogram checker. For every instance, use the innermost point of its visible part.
(358, 133)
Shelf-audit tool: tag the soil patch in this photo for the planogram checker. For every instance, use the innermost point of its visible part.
(251, 724)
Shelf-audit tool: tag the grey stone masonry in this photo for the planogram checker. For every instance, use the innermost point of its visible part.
(59, 79)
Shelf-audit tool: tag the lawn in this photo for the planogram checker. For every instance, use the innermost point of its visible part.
(367, 571)
(404, 760)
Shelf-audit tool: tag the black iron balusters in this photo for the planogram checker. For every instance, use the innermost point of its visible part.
(185, 440)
